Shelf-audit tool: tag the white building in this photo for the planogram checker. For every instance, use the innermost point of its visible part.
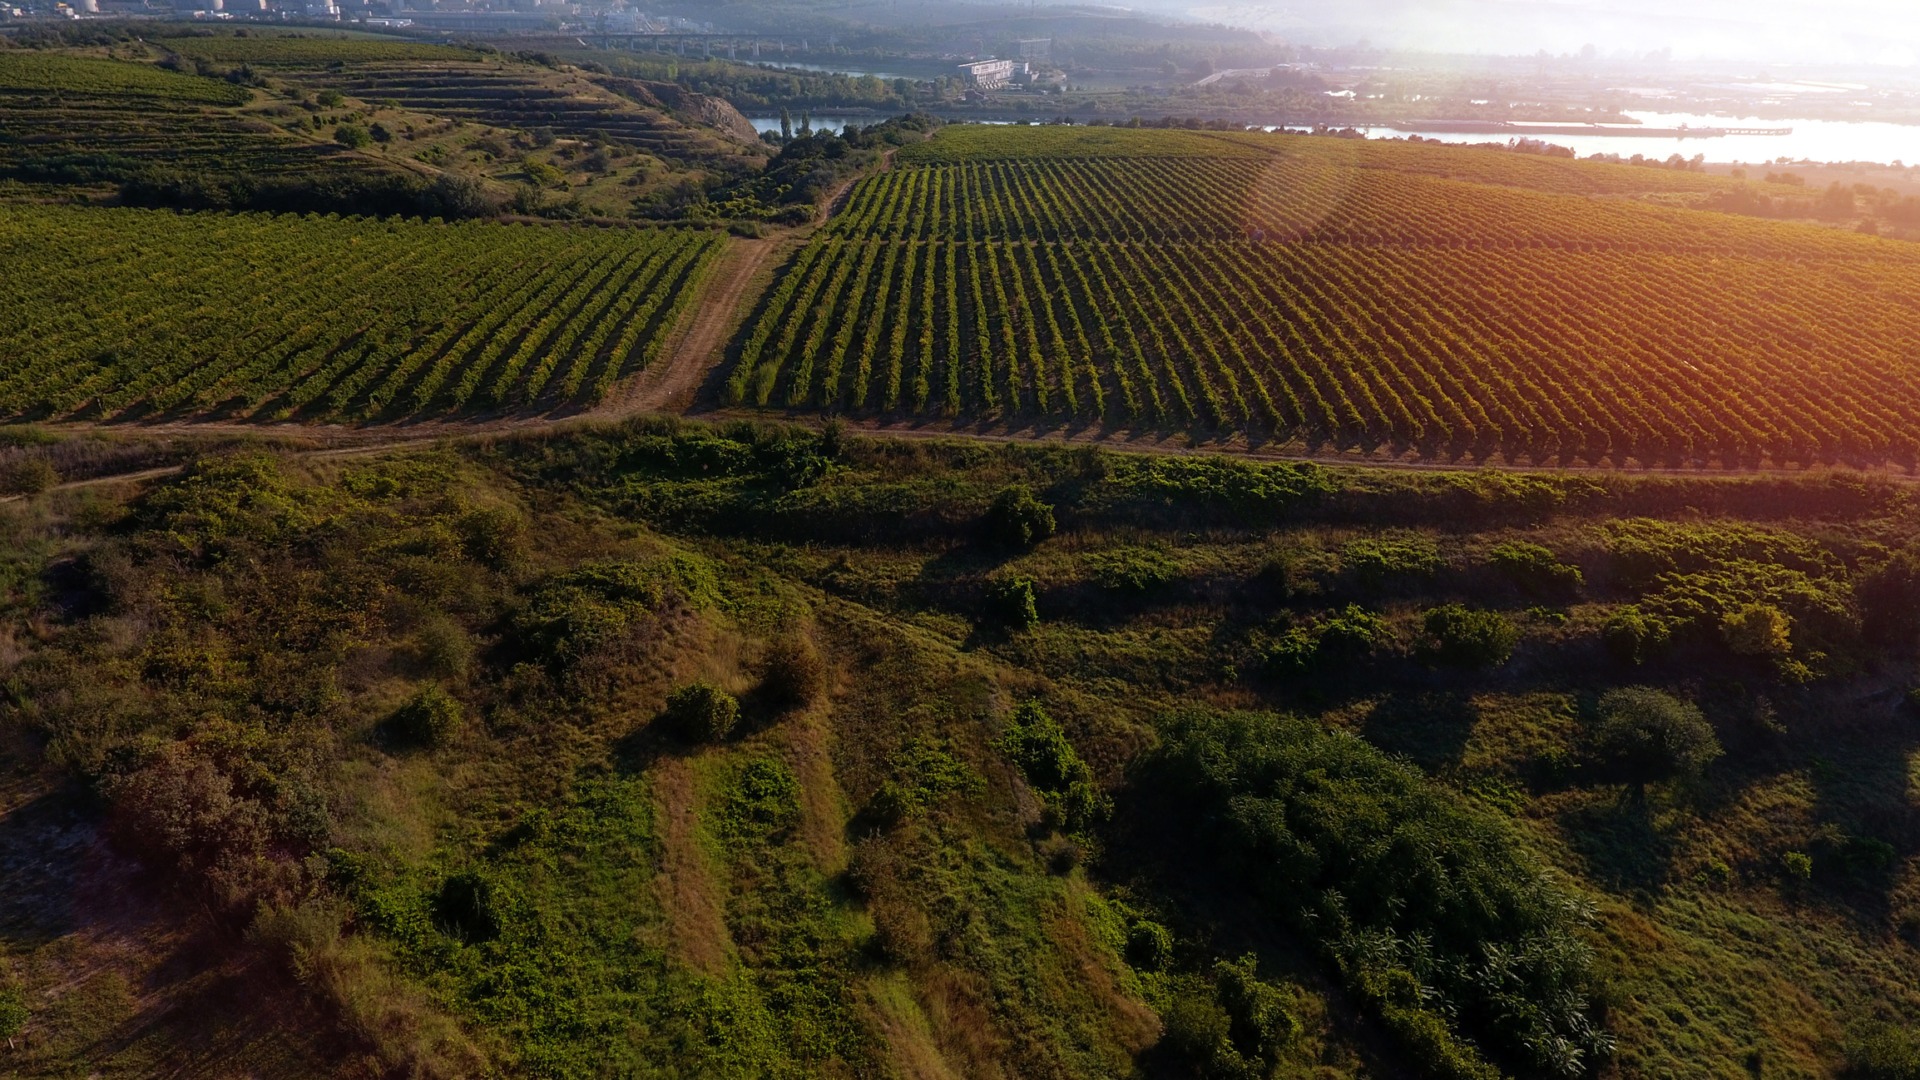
(992, 74)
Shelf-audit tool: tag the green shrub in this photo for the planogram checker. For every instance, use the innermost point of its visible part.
(1535, 569)
(353, 136)
(1890, 603)
(794, 674)
(1757, 630)
(1012, 603)
(330, 99)
(1652, 735)
(27, 475)
(1017, 519)
(1377, 561)
(1132, 569)
(596, 605)
(1464, 637)
(467, 908)
(1798, 866)
(1341, 639)
(1263, 1025)
(1041, 750)
(1392, 874)
(442, 647)
(1634, 637)
(1884, 1052)
(1149, 945)
(13, 1013)
(761, 805)
(430, 718)
(1196, 1029)
(700, 713)
(922, 773)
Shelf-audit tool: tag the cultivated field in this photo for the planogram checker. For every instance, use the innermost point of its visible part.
(132, 312)
(1432, 300)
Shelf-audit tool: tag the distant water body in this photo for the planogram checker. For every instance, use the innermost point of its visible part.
(1812, 140)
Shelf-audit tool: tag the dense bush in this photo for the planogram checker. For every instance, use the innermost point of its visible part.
(183, 815)
(1651, 735)
(794, 674)
(700, 713)
(1428, 908)
(1464, 637)
(1017, 519)
(1011, 603)
(1035, 744)
(1132, 569)
(1884, 1052)
(1379, 561)
(1634, 637)
(1330, 642)
(598, 604)
(429, 719)
(1535, 569)
(1890, 602)
(27, 474)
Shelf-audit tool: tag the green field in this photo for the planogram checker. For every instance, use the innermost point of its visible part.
(1424, 300)
(48, 73)
(134, 312)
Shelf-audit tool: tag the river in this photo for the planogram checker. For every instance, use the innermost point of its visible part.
(1812, 140)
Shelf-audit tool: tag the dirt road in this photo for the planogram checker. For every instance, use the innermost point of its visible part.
(699, 342)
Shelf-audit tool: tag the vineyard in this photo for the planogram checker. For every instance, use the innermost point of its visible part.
(1326, 290)
(46, 73)
(119, 313)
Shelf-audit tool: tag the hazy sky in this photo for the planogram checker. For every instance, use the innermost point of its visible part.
(1816, 31)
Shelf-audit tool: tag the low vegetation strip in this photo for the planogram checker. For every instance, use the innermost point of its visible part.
(1334, 295)
(302, 50)
(35, 72)
(115, 313)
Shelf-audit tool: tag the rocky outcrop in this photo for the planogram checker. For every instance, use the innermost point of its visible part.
(685, 105)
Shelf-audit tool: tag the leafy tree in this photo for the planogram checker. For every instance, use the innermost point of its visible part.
(353, 136)
(1652, 735)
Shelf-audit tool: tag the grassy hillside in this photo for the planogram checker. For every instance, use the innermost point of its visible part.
(675, 749)
(1392, 298)
(311, 120)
